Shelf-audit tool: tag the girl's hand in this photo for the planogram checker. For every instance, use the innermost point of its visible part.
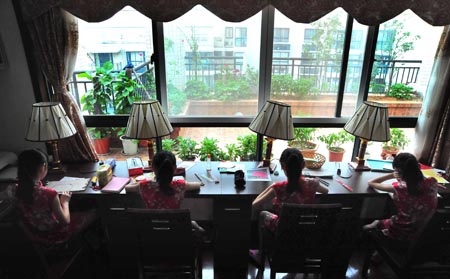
(65, 197)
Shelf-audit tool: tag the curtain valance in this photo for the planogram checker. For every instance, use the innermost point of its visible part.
(368, 12)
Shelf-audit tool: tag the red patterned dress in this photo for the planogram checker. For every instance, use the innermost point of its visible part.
(413, 211)
(306, 196)
(154, 198)
(42, 221)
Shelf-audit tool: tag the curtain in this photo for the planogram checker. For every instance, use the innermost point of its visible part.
(433, 125)
(368, 12)
(55, 37)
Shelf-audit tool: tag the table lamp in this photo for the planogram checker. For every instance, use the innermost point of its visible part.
(50, 123)
(274, 121)
(148, 121)
(370, 123)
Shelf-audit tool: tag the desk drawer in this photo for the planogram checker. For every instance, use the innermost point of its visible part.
(231, 211)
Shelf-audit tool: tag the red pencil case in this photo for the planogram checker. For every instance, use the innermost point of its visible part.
(135, 166)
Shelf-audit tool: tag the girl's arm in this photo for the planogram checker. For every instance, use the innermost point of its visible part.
(193, 186)
(322, 188)
(60, 207)
(267, 195)
(378, 184)
(132, 187)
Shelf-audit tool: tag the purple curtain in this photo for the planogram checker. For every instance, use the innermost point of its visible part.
(55, 38)
(433, 125)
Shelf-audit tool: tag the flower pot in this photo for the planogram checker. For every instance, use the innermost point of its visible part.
(308, 149)
(389, 152)
(336, 155)
(143, 143)
(101, 146)
(130, 146)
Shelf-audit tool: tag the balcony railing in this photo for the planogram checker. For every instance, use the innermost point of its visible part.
(80, 86)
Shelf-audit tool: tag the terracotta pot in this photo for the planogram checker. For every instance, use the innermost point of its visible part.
(389, 151)
(143, 143)
(101, 145)
(336, 156)
(307, 153)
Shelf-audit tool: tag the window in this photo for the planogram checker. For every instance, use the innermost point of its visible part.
(241, 37)
(280, 35)
(205, 80)
(404, 58)
(136, 57)
(212, 75)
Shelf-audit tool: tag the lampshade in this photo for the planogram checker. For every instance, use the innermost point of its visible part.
(370, 122)
(49, 122)
(274, 120)
(147, 120)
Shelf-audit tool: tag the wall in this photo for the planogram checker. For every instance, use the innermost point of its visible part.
(16, 91)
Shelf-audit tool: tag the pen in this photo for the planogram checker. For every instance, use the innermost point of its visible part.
(198, 177)
(344, 185)
(324, 182)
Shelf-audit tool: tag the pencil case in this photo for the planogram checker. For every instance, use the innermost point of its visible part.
(104, 174)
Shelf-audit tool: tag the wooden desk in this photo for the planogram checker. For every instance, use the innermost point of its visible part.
(232, 206)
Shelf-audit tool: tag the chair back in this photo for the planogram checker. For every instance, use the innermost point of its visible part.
(347, 229)
(121, 239)
(164, 236)
(433, 243)
(304, 232)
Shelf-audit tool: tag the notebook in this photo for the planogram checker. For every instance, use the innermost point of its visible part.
(69, 184)
(116, 185)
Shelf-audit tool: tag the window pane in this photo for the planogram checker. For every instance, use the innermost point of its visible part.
(306, 63)
(404, 59)
(354, 68)
(99, 83)
(210, 68)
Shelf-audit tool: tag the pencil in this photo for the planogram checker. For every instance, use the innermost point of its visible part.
(324, 182)
(344, 185)
(198, 177)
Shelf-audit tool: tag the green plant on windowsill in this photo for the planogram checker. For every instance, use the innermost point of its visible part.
(334, 141)
(246, 147)
(169, 144)
(125, 93)
(398, 141)
(209, 146)
(303, 138)
(232, 152)
(187, 149)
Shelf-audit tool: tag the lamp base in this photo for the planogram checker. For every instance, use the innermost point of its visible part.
(358, 166)
(56, 169)
(271, 166)
(148, 168)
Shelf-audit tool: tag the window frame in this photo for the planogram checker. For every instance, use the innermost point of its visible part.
(267, 41)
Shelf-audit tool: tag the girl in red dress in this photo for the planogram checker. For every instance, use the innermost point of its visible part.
(164, 192)
(297, 189)
(414, 196)
(45, 213)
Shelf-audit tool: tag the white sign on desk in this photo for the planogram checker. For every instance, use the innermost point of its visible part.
(258, 174)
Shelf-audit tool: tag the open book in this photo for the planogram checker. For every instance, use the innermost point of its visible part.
(69, 184)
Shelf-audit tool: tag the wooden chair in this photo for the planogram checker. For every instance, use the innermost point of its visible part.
(428, 256)
(121, 242)
(346, 234)
(302, 241)
(166, 243)
(22, 257)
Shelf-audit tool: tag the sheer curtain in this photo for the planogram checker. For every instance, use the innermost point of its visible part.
(55, 37)
(433, 125)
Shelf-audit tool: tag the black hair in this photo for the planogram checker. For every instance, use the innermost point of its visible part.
(292, 160)
(29, 162)
(164, 164)
(409, 170)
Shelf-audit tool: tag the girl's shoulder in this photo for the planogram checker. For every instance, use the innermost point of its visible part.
(279, 184)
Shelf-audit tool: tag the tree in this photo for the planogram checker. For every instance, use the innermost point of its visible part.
(398, 41)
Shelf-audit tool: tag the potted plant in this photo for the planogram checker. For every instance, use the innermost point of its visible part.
(169, 144)
(334, 141)
(97, 101)
(246, 148)
(187, 149)
(130, 146)
(303, 138)
(392, 147)
(100, 137)
(209, 146)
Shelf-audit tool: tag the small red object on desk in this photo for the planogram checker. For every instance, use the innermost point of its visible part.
(344, 185)
(135, 166)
